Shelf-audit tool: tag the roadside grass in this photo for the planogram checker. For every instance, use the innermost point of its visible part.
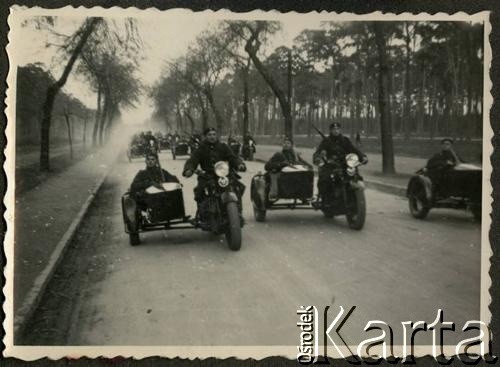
(29, 175)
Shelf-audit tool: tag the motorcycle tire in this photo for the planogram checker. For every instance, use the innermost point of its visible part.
(357, 220)
(134, 239)
(328, 214)
(417, 202)
(259, 214)
(233, 232)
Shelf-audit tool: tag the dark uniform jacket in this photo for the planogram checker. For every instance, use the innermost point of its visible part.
(208, 154)
(148, 177)
(283, 159)
(337, 147)
(439, 160)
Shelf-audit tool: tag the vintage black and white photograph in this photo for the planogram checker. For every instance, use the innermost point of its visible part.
(225, 182)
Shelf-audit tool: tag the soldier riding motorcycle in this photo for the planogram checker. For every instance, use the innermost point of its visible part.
(219, 190)
(248, 150)
(340, 186)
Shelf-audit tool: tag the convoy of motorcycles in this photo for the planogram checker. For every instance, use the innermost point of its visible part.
(346, 196)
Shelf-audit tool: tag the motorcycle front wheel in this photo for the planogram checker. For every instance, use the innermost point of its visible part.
(356, 218)
(417, 202)
(233, 232)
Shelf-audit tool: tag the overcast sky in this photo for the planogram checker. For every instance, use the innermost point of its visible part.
(165, 38)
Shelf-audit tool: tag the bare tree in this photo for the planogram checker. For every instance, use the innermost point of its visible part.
(383, 98)
(74, 47)
(253, 34)
(67, 116)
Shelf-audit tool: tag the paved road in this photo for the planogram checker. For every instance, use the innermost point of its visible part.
(187, 288)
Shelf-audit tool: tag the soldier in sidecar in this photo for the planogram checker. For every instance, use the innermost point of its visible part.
(445, 182)
(287, 184)
(154, 199)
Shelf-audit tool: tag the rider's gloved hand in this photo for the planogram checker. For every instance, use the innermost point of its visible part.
(242, 167)
(364, 160)
(187, 173)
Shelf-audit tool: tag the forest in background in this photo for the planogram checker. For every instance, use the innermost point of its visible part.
(434, 80)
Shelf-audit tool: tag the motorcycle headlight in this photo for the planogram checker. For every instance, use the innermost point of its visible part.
(221, 169)
(223, 181)
(352, 160)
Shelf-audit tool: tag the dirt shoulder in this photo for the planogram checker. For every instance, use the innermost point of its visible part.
(44, 213)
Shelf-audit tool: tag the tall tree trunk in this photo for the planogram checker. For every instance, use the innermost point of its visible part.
(278, 92)
(245, 72)
(97, 115)
(388, 166)
(421, 103)
(219, 120)
(104, 117)
(54, 89)
(191, 120)
(407, 91)
(70, 140)
(290, 92)
(203, 108)
(84, 136)
(179, 118)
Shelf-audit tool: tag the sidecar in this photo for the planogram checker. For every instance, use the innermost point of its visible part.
(154, 210)
(181, 148)
(295, 191)
(135, 150)
(460, 188)
(235, 147)
(164, 143)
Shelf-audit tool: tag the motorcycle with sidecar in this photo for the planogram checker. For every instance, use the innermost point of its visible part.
(235, 147)
(460, 187)
(164, 142)
(181, 148)
(248, 150)
(163, 208)
(295, 191)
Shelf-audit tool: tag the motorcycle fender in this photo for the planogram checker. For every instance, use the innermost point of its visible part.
(422, 180)
(129, 208)
(259, 191)
(357, 185)
(229, 196)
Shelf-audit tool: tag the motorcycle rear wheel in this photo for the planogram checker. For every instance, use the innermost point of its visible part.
(233, 233)
(259, 214)
(328, 213)
(134, 239)
(357, 220)
(417, 202)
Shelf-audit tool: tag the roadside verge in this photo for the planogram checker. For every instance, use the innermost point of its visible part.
(46, 220)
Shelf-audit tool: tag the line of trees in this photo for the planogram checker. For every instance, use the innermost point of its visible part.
(106, 53)
(377, 78)
(70, 116)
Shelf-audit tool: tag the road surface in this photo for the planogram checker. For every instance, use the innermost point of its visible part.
(187, 288)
